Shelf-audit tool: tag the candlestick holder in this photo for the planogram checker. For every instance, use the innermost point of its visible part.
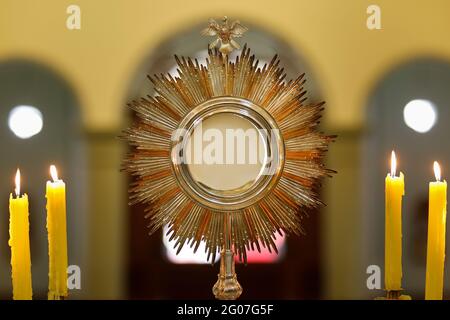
(394, 295)
(227, 286)
(53, 296)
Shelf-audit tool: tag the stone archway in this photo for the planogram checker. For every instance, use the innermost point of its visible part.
(60, 142)
(422, 78)
(296, 275)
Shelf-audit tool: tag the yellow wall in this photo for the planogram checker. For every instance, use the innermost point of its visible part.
(100, 59)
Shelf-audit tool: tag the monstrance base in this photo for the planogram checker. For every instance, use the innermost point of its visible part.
(227, 287)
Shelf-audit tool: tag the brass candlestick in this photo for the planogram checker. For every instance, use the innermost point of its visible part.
(394, 295)
(227, 286)
(54, 296)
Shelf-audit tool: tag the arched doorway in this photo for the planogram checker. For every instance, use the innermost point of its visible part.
(151, 273)
(60, 142)
(418, 141)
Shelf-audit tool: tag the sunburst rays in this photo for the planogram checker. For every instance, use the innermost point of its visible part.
(149, 161)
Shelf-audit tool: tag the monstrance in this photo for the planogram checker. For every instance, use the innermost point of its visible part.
(231, 207)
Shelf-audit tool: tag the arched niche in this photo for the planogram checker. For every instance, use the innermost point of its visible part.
(60, 142)
(295, 275)
(424, 78)
(189, 43)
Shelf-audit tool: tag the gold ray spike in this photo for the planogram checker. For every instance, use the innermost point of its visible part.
(243, 218)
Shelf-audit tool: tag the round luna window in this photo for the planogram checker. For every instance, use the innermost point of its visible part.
(241, 165)
(420, 115)
(25, 121)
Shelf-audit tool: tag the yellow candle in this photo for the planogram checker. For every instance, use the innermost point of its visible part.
(19, 241)
(395, 189)
(57, 236)
(437, 213)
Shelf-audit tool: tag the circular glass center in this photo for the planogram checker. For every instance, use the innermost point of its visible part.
(226, 152)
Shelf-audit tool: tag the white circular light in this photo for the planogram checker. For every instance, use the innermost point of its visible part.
(25, 121)
(420, 115)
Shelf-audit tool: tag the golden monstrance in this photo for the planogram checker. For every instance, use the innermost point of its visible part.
(232, 207)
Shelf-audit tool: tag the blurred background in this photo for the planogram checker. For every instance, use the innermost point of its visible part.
(63, 96)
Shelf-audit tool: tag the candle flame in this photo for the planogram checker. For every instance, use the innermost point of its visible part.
(437, 171)
(17, 189)
(393, 164)
(54, 173)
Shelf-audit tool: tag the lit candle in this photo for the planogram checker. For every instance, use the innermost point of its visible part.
(395, 189)
(57, 236)
(19, 241)
(437, 212)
